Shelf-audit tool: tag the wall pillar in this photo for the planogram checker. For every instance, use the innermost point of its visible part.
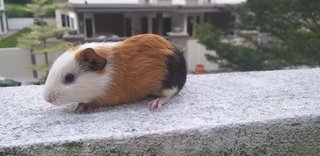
(185, 23)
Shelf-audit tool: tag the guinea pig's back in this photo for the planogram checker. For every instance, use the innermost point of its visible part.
(145, 65)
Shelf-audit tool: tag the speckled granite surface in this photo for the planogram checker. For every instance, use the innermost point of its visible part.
(250, 113)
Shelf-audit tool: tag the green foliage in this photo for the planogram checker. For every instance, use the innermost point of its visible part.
(294, 22)
(17, 1)
(16, 10)
(236, 57)
(43, 39)
(39, 8)
(293, 25)
(12, 41)
(24, 1)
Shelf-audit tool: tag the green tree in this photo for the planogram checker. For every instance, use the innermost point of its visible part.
(17, 1)
(43, 38)
(294, 27)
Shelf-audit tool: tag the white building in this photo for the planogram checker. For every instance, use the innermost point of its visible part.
(130, 17)
(3, 19)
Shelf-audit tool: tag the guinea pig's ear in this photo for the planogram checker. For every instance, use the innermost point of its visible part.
(89, 58)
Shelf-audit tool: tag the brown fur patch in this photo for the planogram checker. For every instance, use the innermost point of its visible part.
(91, 60)
(101, 49)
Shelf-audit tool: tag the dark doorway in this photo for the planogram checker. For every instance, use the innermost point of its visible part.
(157, 24)
(112, 23)
(190, 26)
(88, 23)
(144, 25)
(127, 26)
(166, 25)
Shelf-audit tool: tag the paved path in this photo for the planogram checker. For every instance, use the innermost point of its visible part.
(9, 33)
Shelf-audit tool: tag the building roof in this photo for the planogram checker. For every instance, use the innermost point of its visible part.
(104, 8)
(138, 1)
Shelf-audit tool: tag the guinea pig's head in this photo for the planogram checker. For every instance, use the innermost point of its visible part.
(76, 76)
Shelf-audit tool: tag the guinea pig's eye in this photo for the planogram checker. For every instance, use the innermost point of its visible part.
(69, 78)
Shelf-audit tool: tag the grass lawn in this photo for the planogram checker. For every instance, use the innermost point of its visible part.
(12, 41)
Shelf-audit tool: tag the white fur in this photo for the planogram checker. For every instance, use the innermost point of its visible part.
(86, 87)
(168, 93)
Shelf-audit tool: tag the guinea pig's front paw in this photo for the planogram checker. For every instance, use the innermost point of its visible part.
(82, 107)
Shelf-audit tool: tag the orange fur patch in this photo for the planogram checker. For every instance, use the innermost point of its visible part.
(71, 47)
(140, 67)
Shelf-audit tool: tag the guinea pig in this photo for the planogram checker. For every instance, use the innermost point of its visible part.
(112, 73)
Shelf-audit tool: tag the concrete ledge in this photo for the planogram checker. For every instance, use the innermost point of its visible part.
(252, 113)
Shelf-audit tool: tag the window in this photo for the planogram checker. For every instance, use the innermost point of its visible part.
(208, 1)
(1, 24)
(65, 20)
(190, 26)
(145, 1)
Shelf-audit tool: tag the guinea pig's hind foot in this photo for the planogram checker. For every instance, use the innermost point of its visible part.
(157, 103)
(166, 95)
(81, 107)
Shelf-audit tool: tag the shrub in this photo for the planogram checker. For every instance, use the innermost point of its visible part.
(17, 10)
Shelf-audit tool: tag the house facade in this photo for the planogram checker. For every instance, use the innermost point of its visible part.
(3, 19)
(92, 18)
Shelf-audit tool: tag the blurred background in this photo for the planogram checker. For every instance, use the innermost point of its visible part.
(214, 35)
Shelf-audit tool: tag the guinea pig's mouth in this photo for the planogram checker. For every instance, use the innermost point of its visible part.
(52, 98)
(52, 101)
(56, 102)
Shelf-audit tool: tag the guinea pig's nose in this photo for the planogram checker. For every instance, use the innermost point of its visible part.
(51, 97)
